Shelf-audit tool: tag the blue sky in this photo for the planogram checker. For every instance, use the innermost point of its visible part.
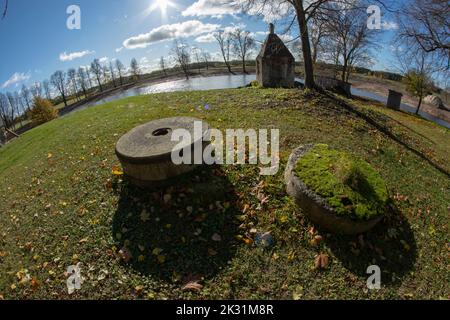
(36, 41)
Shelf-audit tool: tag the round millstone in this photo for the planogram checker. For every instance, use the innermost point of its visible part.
(315, 207)
(146, 151)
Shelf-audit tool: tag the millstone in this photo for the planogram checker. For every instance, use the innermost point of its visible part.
(145, 152)
(315, 207)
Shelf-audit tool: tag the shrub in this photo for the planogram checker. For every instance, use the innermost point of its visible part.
(42, 111)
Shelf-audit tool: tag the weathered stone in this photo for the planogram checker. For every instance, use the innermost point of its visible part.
(275, 64)
(394, 100)
(315, 207)
(146, 151)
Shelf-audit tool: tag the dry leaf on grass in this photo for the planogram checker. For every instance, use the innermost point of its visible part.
(321, 261)
(192, 286)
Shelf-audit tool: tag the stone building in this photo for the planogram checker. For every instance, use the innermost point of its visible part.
(275, 64)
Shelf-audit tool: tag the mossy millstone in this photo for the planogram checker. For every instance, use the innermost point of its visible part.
(146, 151)
(335, 190)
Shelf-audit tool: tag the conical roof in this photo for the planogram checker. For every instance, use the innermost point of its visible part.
(274, 47)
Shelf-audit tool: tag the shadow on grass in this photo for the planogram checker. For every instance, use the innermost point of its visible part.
(180, 231)
(390, 245)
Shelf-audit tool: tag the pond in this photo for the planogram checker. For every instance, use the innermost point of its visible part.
(229, 82)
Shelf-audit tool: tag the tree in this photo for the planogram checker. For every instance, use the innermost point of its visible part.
(120, 67)
(5, 10)
(196, 52)
(425, 25)
(82, 80)
(42, 111)
(135, 69)
(352, 40)
(243, 43)
(58, 80)
(36, 90)
(46, 86)
(206, 58)
(4, 110)
(224, 40)
(26, 96)
(182, 56)
(88, 75)
(303, 11)
(72, 81)
(97, 70)
(13, 108)
(162, 65)
(417, 74)
(113, 76)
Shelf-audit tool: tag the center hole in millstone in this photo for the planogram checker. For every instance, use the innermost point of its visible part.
(161, 132)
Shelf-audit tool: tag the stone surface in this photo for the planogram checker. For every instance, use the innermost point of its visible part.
(315, 207)
(435, 101)
(145, 152)
(394, 100)
(275, 64)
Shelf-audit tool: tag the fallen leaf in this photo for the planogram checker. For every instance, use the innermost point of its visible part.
(117, 171)
(145, 216)
(321, 261)
(125, 254)
(216, 237)
(192, 286)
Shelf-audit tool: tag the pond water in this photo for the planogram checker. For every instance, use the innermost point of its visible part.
(229, 82)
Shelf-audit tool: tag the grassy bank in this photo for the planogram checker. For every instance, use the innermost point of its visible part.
(61, 204)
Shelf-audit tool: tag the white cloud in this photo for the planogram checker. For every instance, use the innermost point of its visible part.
(168, 32)
(119, 49)
(104, 60)
(16, 78)
(74, 55)
(389, 25)
(207, 38)
(214, 8)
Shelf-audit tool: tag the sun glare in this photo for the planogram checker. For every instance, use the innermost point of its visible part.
(162, 5)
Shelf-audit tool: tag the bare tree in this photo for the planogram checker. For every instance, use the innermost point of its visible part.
(243, 43)
(105, 72)
(135, 69)
(4, 110)
(36, 90)
(196, 52)
(182, 56)
(46, 86)
(425, 25)
(5, 10)
(58, 80)
(162, 65)
(206, 56)
(120, 67)
(72, 82)
(113, 76)
(224, 40)
(82, 80)
(13, 108)
(347, 29)
(88, 75)
(97, 70)
(26, 95)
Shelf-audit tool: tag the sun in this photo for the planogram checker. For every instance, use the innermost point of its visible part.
(162, 5)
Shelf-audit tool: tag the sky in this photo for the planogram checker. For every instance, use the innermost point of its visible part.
(36, 40)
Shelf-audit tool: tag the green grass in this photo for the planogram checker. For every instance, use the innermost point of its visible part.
(61, 205)
(348, 184)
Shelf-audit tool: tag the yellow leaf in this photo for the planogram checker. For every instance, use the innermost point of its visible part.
(117, 171)
(161, 258)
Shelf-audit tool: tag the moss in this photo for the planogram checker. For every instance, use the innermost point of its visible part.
(349, 185)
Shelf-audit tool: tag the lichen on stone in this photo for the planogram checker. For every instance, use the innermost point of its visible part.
(349, 185)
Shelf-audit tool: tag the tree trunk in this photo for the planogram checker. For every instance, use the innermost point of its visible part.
(420, 104)
(64, 99)
(306, 46)
(243, 66)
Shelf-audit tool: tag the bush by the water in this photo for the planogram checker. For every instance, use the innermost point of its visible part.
(348, 184)
(42, 111)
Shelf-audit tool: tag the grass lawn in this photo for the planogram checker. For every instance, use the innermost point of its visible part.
(61, 204)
